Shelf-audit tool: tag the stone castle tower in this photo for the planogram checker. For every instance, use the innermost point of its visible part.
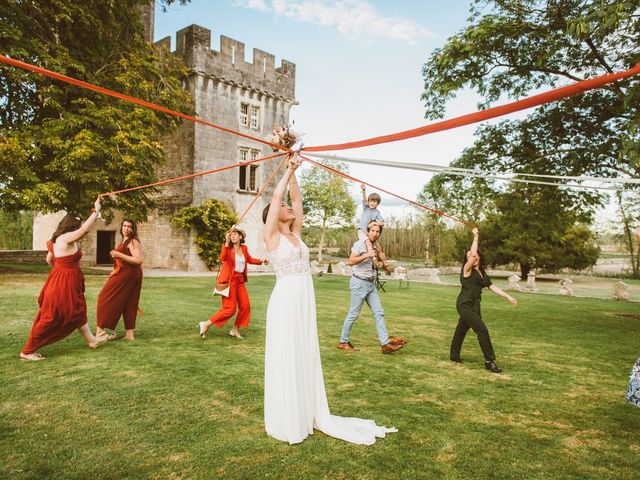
(249, 97)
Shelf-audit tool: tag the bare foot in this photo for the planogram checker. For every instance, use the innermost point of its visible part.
(128, 337)
(97, 341)
(101, 333)
(235, 333)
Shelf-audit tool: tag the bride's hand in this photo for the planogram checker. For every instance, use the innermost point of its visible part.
(294, 162)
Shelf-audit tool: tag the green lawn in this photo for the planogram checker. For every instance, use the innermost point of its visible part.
(173, 406)
(583, 286)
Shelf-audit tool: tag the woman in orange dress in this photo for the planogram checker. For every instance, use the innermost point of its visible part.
(235, 258)
(121, 294)
(63, 308)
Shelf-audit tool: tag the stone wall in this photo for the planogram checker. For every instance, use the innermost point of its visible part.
(23, 256)
(193, 44)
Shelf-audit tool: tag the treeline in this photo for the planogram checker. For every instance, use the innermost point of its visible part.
(410, 237)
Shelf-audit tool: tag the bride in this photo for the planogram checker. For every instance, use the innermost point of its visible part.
(295, 401)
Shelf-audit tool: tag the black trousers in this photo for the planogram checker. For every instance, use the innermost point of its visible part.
(471, 318)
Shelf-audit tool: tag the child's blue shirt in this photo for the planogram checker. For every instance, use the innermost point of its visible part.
(369, 215)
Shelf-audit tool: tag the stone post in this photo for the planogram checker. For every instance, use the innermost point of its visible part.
(565, 286)
(514, 283)
(620, 291)
(434, 275)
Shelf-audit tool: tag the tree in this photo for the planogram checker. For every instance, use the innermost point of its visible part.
(513, 48)
(532, 228)
(442, 193)
(327, 202)
(520, 46)
(210, 221)
(60, 145)
(16, 230)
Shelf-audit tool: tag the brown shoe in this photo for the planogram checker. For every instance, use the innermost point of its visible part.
(348, 347)
(393, 340)
(390, 348)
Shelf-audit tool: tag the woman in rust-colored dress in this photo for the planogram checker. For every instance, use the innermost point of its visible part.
(121, 294)
(63, 308)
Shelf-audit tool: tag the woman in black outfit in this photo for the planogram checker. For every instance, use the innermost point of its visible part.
(473, 279)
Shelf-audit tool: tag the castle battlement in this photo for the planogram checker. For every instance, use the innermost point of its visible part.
(193, 45)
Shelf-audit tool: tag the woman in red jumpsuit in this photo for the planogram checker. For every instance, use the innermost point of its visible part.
(121, 294)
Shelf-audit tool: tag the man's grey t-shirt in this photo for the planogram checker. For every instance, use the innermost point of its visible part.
(364, 269)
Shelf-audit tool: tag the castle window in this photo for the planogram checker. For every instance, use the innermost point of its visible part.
(248, 174)
(255, 111)
(244, 115)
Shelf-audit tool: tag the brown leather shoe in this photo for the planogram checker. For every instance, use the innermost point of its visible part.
(390, 348)
(348, 347)
(393, 340)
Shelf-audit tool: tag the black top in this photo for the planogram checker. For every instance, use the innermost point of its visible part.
(472, 286)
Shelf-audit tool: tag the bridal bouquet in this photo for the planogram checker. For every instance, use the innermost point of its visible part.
(284, 137)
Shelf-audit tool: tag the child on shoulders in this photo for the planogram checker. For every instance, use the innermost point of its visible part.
(370, 213)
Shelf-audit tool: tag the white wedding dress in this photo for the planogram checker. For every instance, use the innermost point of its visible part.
(295, 401)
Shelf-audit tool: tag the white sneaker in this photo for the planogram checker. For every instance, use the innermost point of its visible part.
(202, 327)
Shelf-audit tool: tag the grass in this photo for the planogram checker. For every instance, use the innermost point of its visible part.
(43, 268)
(583, 286)
(173, 406)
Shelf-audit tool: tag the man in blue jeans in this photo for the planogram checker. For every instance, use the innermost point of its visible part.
(363, 288)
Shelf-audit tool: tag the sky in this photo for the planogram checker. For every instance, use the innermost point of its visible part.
(358, 73)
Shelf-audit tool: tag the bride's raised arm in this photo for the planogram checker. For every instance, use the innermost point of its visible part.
(295, 195)
(277, 201)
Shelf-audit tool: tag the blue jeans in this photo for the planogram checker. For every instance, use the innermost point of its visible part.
(362, 291)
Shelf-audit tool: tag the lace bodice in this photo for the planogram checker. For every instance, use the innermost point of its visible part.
(288, 259)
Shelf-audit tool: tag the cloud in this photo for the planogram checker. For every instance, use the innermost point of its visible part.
(260, 5)
(354, 19)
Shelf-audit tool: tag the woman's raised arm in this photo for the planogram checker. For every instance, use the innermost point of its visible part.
(273, 217)
(473, 253)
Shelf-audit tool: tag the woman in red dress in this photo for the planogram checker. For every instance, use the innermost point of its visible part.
(234, 257)
(121, 294)
(63, 308)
